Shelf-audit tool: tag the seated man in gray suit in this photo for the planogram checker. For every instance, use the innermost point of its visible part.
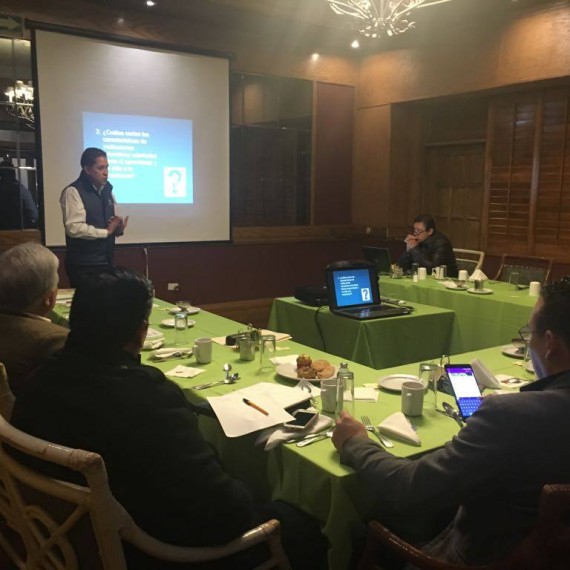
(490, 476)
(28, 288)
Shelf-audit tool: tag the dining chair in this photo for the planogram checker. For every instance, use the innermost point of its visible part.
(6, 396)
(547, 547)
(469, 259)
(528, 268)
(67, 526)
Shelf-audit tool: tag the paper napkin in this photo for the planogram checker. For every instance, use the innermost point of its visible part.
(184, 372)
(273, 437)
(483, 375)
(398, 427)
(478, 274)
(450, 284)
(164, 353)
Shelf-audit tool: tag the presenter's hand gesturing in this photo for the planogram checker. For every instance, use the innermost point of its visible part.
(122, 226)
(347, 427)
(112, 225)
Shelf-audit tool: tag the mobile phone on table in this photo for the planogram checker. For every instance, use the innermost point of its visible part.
(465, 388)
(303, 419)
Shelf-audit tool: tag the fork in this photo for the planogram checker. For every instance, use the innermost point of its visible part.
(371, 428)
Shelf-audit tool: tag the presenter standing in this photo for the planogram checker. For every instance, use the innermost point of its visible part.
(88, 208)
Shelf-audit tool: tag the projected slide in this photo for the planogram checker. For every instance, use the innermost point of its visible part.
(150, 158)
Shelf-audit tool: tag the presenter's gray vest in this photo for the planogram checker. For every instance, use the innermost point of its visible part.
(99, 208)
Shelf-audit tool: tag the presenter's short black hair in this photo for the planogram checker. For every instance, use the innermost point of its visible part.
(90, 155)
(108, 308)
(427, 220)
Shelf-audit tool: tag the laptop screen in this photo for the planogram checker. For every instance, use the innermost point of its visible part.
(352, 287)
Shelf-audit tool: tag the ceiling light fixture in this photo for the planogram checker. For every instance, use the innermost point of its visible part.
(150, 3)
(21, 102)
(376, 18)
(355, 44)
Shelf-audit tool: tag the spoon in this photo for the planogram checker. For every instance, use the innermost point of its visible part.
(227, 368)
(450, 411)
(229, 380)
(318, 437)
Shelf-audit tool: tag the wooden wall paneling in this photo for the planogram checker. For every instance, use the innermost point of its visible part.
(334, 131)
(531, 235)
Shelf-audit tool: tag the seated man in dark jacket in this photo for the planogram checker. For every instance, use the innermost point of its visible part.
(97, 396)
(428, 248)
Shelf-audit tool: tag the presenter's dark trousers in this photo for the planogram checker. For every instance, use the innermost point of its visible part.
(76, 273)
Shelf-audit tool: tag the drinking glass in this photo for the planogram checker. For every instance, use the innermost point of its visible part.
(428, 375)
(180, 328)
(514, 279)
(267, 343)
(183, 305)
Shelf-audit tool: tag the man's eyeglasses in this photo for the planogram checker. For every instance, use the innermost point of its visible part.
(526, 331)
(416, 232)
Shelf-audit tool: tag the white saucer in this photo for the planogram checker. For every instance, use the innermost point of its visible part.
(188, 311)
(456, 288)
(480, 292)
(394, 382)
(512, 351)
(169, 323)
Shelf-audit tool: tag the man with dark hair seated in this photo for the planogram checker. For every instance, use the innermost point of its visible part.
(97, 396)
(427, 247)
(491, 474)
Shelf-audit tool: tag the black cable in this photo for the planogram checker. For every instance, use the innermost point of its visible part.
(319, 328)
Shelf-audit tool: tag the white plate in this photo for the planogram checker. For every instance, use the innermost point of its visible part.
(456, 288)
(512, 351)
(480, 292)
(188, 311)
(394, 382)
(289, 371)
(169, 323)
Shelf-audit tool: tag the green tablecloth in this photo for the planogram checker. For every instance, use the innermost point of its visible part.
(378, 343)
(311, 477)
(481, 320)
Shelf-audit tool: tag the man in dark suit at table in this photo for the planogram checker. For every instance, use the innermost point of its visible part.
(99, 397)
(491, 474)
(427, 247)
(28, 288)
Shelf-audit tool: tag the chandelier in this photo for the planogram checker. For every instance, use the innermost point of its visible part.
(375, 18)
(21, 102)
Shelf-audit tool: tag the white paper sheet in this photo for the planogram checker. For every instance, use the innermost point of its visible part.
(237, 418)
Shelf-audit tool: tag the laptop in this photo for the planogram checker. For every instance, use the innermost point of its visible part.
(354, 292)
(379, 257)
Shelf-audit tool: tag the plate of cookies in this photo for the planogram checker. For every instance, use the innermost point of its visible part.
(306, 368)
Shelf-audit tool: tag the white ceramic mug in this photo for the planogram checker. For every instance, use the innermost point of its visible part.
(203, 350)
(412, 398)
(534, 288)
(328, 395)
(422, 273)
(463, 275)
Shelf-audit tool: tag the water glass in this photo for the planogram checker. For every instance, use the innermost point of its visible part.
(180, 328)
(428, 375)
(267, 344)
(514, 279)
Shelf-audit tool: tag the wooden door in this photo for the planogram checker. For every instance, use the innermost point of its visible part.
(454, 189)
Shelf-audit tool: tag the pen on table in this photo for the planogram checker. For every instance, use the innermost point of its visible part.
(254, 406)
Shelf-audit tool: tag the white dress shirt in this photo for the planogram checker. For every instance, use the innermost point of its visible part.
(74, 216)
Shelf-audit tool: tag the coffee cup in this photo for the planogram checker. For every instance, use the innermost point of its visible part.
(534, 288)
(203, 350)
(328, 395)
(463, 275)
(422, 273)
(412, 398)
